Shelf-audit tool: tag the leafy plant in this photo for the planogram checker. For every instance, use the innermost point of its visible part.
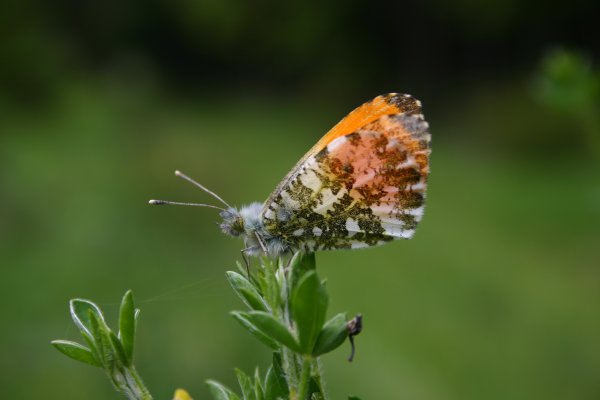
(105, 349)
(287, 307)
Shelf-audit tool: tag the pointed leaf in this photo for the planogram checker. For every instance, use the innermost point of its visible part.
(300, 264)
(353, 398)
(316, 396)
(241, 268)
(314, 389)
(92, 346)
(96, 337)
(242, 318)
(258, 389)
(270, 326)
(76, 352)
(303, 261)
(80, 310)
(221, 392)
(127, 325)
(309, 306)
(333, 334)
(269, 286)
(280, 373)
(246, 291)
(117, 348)
(273, 389)
(246, 385)
(101, 335)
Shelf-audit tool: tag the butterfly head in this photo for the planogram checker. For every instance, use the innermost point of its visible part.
(247, 223)
(244, 222)
(233, 223)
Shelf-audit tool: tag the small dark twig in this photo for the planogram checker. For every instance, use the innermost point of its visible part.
(354, 328)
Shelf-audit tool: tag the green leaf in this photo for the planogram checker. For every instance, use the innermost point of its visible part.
(276, 385)
(269, 285)
(102, 340)
(314, 389)
(246, 385)
(273, 388)
(271, 327)
(241, 268)
(309, 306)
(316, 396)
(353, 398)
(95, 335)
(303, 261)
(127, 325)
(80, 310)
(300, 264)
(258, 389)
(246, 291)
(92, 346)
(242, 318)
(117, 348)
(221, 392)
(76, 352)
(280, 373)
(333, 334)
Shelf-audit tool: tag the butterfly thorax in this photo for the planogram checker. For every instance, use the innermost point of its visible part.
(247, 223)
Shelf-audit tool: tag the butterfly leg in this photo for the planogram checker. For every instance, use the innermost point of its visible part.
(260, 241)
(243, 252)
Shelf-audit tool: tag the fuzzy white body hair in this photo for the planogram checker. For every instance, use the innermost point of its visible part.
(247, 222)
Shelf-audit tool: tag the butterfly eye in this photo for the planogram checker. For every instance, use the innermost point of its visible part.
(238, 225)
(232, 224)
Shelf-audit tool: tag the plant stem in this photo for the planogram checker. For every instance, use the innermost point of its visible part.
(129, 382)
(304, 378)
(140, 387)
(318, 377)
(297, 367)
(290, 368)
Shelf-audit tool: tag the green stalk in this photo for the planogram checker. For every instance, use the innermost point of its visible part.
(304, 378)
(290, 365)
(129, 382)
(297, 367)
(318, 377)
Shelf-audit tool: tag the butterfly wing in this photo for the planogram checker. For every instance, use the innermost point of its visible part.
(362, 184)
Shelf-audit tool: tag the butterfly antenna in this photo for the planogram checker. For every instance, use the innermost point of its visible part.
(213, 194)
(177, 203)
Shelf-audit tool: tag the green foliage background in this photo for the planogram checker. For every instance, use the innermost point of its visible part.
(496, 297)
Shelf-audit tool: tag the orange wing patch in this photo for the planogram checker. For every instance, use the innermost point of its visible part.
(387, 104)
(371, 111)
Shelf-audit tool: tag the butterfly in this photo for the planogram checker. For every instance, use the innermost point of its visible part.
(363, 184)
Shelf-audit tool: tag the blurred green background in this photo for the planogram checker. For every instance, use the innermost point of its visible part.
(498, 295)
